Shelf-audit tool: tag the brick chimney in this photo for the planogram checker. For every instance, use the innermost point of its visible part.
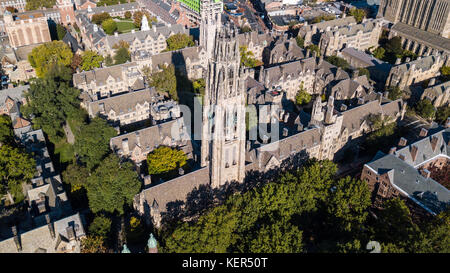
(423, 132)
(434, 141)
(402, 157)
(425, 173)
(414, 150)
(402, 142)
(16, 238)
(50, 226)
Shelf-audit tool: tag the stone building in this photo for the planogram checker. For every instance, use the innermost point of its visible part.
(136, 145)
(151, 41)
(67, 11)
(102, 82)
(19, 5)
(438, 94)
(11, 98)
(406, 172)
(27, 29)
(281, 51)
(61, 236)
(114, 10)
(92, 36)
(409, 73)
(122, 109)
(359, 36)
(432, 16)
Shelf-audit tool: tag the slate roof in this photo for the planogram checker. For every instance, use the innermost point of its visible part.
(159, 9)
(123, 103)
(116, 8)
(100, 75)
(72, 42)
(369, 60)
(40, 239)
(177, 189)
(438, 89)
(154, 33)
(97, 32)
(16, 93)
(422, 36)
(423, 64)
(425, 191)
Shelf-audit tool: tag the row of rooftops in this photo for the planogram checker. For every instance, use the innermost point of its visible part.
(403, 167)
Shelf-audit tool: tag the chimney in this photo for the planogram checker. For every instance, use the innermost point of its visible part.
(125, 148)
(286, 117)
(392, 150)
(398, 61)
(386, 94)
(355, 73)
(343, 107)
(50, 225)
(116, 34)
(180, 171)
(16, 238)
(285, 132)
(308, 52)
(265, 139)
(414, 150)
(360, 101)
(434, 141)
(70, 233)
(423, 132)
(379, 97)
(425, 173)
(402, 157)
(154, 28)
(300, 127)
(402, 142)
(248, 145)
(408, 59)
(432, 82)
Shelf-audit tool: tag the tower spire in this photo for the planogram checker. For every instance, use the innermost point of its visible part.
(211, 19)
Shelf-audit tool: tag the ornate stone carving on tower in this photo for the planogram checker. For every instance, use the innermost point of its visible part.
(211, 19)
(223, 132)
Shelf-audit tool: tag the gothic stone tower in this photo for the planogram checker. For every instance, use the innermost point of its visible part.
(223, 132)
(211, 19)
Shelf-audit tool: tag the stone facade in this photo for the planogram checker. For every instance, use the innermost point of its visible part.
(429, 15)
(27, 29)
(438, 94)
(406, 74)
(66, 10)
(19, 5)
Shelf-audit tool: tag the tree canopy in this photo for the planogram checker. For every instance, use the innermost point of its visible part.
(38, 4)
(302, 96)
(109, 26)
(248, 57)
(122, 56)
(112, 186)
(90, 60)
(165, 81)
(100, 226)
(51, 102)
(359, 14)
(300, 41)
(92, 141)
(137, 18)
(6, 131)
(99, 18)
(425, 109)
(394, 92)
(179, 41)
(338, 61)
(52, 53)
(165, 159)
(16, 167)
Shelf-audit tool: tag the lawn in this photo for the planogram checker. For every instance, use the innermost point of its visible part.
(125, 26)
(65, 152)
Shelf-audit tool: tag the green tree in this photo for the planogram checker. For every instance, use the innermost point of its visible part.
(75, 175)
(60, 31)
(379, 53)
(323, 17)
(302, 96)
(100, 226)
(425, 109)
(93, 244)
(364, 71)
(52, 53)
(314, 48)
(38, 4)
(127, 14)
(179, 41)
(248, 57)
(15, 167)
(99, 18)
(348, 203)
(109, 61)
(445, 73)
(51, 103)
(92, 142)
(109, 26)
(122, 56)
(90, 60)
(300, 41)
(137, 18)
(165, 81)
(112, 186)
(278, 237)
(199, 86)
(442, 113)
(394, 92)
(6, 131)
(359, 14)
(338, 61)
(135, 230)
(245, 29)
(165, 159)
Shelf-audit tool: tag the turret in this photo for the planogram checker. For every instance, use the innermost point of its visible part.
(152, 244)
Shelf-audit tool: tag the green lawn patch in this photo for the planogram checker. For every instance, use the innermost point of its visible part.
(125, 26)
(65, 152)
